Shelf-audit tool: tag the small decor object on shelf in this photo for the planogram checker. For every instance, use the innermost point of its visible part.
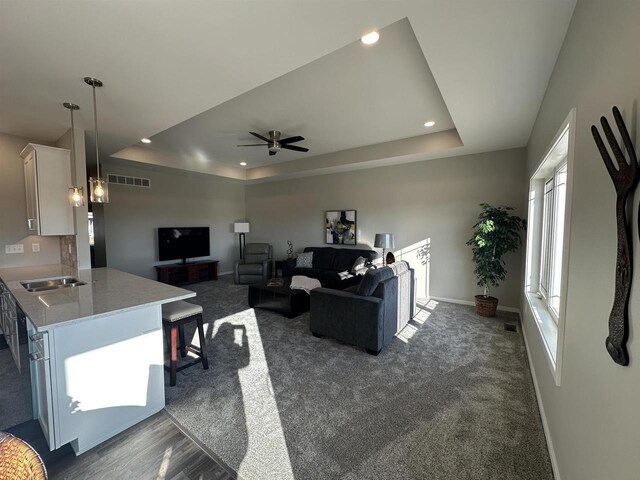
(496, 233)
(390, 258)
(625, 177)
(340, 227)
(290, 249)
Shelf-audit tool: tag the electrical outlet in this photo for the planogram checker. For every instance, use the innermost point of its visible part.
(35, 247)
(69, 248)
(19, 248)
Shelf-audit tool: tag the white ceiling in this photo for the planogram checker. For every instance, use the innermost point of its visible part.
(163, 63)
(358, 95)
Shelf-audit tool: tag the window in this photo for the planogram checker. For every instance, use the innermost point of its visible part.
(547, 241)
(554, 201)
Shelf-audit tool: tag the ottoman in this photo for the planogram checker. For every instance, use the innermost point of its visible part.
(289, 303)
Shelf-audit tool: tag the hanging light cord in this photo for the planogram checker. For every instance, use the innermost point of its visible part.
(95, 122)
(73, 152)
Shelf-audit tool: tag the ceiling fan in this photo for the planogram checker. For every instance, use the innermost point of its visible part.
(275, 144)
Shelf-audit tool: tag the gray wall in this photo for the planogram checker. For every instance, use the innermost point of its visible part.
(13, 209)
(435, 200)
(593, 417)
(176, 198)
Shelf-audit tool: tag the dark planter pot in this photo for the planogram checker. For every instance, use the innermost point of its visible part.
(486, 306)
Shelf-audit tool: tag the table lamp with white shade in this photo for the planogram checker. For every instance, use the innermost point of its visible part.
(241, 228)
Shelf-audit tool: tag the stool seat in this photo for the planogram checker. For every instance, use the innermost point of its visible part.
(174, 311)
(175, 316)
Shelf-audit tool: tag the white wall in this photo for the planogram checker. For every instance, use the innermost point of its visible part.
(594, 416)
(436, 200)
(13, 209)
(176, 198)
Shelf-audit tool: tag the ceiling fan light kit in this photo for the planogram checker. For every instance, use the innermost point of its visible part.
(274, 143)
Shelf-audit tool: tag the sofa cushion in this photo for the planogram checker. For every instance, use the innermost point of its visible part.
(250, 268)
(304, 260)
(309, 272)
(359, 266)
(372, 278)
(344, 259)
(322, 257)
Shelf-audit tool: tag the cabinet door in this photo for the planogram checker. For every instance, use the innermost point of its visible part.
(31, 187)
(55, 213)
(41, 374)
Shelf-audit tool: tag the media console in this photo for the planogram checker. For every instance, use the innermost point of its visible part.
(180, 273)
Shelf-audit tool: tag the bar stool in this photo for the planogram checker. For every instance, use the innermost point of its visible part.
(175, 316)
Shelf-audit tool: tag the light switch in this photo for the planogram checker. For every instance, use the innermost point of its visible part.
(35, 247)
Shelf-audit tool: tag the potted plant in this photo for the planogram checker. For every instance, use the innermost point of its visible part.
(496, 233)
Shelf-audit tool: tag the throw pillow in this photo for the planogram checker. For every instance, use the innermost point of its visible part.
(304, 260)
(359, 266)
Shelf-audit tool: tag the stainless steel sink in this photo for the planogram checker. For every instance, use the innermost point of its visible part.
(51, 284)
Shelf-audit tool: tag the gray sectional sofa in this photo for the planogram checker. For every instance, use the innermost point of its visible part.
(369, 314)
(328, 263)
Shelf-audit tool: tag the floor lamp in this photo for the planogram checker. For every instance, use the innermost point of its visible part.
(385, 242)
(241, 228)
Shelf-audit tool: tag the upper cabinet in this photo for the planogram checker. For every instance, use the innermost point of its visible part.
(47, 173)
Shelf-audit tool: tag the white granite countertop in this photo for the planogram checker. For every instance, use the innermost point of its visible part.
(106, 291)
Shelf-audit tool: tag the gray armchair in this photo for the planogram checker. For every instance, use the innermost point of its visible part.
(256, 264)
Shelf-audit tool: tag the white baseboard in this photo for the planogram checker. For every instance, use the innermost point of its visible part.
(225, 273)
(545, 425)
(466, 302)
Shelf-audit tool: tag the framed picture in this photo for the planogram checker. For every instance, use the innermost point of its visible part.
(340, 227)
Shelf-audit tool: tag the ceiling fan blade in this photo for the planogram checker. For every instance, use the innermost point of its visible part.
(252, 145)
(297, 149)
(295, 139)
(271, 154)
(260, 136)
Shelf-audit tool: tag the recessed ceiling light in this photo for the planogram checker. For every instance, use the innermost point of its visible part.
(370, 38)
(430, 123)
(145, 140)
(244, 164)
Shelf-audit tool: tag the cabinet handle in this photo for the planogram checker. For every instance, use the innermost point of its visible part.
(36, 356)
(29, 223)
(35, 337)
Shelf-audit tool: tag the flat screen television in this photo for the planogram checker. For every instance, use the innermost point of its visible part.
(181, 243)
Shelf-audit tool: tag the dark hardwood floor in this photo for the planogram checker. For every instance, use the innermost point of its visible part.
(153, 449)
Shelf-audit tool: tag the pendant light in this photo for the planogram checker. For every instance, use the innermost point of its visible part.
(99, 188)
(76, 194)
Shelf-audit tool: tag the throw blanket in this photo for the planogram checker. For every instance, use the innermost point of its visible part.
(300, 282)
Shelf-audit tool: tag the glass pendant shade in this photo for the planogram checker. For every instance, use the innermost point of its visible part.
(76, 196)
(99, 190)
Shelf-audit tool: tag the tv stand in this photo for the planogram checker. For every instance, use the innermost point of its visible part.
(181, 273)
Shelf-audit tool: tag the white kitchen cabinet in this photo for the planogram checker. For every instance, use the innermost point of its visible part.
(47, 172)
(43, 395)
(9, 324)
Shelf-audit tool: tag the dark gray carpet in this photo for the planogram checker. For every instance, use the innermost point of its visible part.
(451, 399)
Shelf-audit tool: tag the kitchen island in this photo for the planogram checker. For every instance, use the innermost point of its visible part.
(96, 349)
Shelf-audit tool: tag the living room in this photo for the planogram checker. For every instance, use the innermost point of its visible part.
(453, 396)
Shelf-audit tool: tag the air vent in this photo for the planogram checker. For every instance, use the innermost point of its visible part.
(129, 181)
(509, 327)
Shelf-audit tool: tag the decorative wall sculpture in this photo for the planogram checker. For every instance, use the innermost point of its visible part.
(625, 177)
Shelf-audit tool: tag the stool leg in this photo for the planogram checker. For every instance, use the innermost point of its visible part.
(183, 347)
(203, 345)
(174, 355)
